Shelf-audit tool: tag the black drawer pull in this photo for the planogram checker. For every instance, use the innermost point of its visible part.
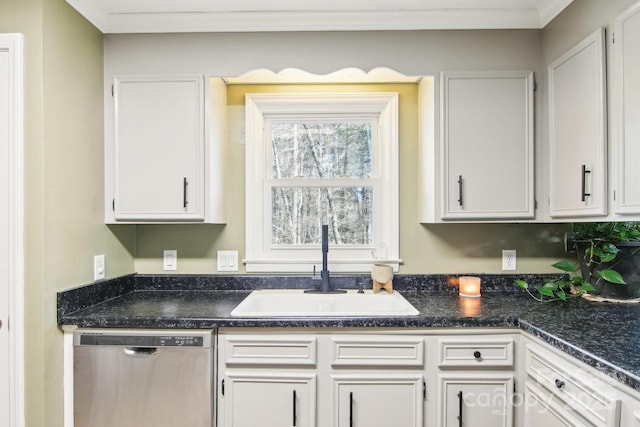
(460, 402)
(477, 355)
(185, 184)
(294, 408)
(559, 383)
(351, 409)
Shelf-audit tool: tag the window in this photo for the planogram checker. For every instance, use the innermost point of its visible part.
(314, 159)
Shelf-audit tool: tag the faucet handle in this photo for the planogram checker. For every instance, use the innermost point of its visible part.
(360, 288)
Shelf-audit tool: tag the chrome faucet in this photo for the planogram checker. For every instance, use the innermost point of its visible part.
(325, 287)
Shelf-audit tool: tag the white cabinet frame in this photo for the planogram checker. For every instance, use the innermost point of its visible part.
(578, 131)
(487, 136)
(626, 105)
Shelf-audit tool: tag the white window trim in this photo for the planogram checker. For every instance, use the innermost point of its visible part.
(259, 257)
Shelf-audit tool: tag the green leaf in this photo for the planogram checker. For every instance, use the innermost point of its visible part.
(546, 291)
(587, 287)
(607, 257)
(612, 276)
(577, 281)
(562, 295)
(567, 266)
(522, 284)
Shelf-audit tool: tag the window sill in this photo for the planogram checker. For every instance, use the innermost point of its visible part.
(307, 266)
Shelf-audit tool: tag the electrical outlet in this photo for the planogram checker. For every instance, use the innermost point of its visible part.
(227, 260)
(98, 267)
(508, 259)
(170, 259)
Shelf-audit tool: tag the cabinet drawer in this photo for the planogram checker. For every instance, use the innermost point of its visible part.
(287, 350)
(378, 351)
(475, 352)
(575, 386)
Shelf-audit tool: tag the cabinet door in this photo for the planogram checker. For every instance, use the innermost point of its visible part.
(248, 399)
(487, 145)
(159, 149)
(577, 131)
(475, 400)
(541, 410)
(627, 111)
(378, 400)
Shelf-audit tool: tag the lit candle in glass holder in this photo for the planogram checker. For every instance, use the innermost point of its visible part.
(469, 286)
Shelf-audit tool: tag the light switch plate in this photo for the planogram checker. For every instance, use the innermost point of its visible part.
(170, 259)
(227, 260)
(98, 267)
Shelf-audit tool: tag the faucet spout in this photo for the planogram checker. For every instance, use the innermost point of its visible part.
(326, 286)
(324, 274)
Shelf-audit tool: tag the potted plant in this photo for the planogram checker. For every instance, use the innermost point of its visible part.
(608, 263)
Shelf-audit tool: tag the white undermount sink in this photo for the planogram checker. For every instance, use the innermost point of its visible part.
(296, 303)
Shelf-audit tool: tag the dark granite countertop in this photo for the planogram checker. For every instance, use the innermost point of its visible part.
(603, 335)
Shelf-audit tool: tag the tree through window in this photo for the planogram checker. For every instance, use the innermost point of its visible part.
(303, 155)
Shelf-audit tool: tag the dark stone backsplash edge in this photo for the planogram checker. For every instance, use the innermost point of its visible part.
(94, 293)
(401, 282)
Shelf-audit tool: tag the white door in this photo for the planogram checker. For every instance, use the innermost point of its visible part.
(476, 400)
(272, 399)
(578, 131)
(378, 400)
(487, 146)
(10, 229)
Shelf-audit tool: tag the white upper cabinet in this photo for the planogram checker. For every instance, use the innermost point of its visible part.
(486, 150)
(626, 106)
(158, 158)
(577, 131)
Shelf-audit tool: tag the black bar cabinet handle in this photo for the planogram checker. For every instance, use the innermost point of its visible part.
(185, 183)
(294, 408)
(584, 193)
(460, 408)
(460, 190)
(350, 409)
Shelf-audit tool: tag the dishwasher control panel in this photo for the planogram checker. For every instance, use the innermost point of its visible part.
(156, 339)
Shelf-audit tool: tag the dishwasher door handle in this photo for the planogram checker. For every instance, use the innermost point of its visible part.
(140, 351)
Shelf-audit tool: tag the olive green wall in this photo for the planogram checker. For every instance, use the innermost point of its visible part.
(63, 183)
(445, 248)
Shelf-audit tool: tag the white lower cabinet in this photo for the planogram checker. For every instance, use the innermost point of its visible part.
(377, 399)
(269, 399)
(284, 378)
(454, 377)
(476, 376)
(560, 391)
(475, 400)
(540, 410)
(267, 380)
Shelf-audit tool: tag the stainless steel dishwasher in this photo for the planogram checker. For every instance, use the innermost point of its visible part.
(143, 378)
